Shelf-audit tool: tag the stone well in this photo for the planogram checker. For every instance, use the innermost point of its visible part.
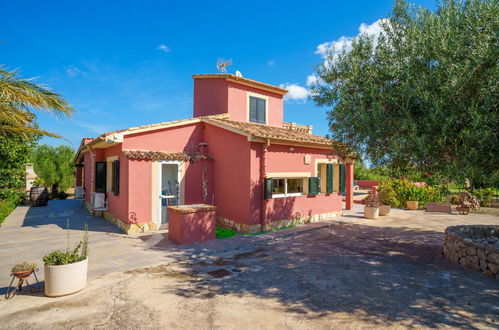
(475, 247)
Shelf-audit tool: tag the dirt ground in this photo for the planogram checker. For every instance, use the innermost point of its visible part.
(346, 276)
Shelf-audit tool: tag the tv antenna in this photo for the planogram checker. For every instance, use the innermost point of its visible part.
(223, 64)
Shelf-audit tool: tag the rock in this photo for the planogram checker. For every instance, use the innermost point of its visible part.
(493, 257)
(471, 251)
(462, 262)
(483, 265)
(488, 273)
(494, 268)
(480, 253)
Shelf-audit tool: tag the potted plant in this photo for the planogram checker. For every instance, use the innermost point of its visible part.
(387, 198)
(371, 205)
(23, 269)
(66, 270)
(413, 195)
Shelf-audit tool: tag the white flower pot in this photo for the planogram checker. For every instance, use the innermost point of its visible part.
(384, 210)
(65, 279)
(371, 212)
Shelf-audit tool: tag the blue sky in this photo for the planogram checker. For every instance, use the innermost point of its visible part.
(129, 63)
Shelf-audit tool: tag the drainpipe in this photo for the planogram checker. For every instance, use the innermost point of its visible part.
(263, 174)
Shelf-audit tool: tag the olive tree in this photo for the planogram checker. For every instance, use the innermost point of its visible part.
(423, 93)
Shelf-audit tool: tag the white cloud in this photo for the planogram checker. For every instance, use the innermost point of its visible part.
(74, 71)
(270, 63)
(295, 92)
(335, 47)
(164, 48)
(313, 79)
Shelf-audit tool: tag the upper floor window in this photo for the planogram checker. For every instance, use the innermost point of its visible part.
(257, 110)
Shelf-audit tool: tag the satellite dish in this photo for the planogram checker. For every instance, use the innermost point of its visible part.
(239, 74)
(223, 64)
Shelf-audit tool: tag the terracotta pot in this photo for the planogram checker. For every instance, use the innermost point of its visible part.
(384, 210)
(23, 274)
(65, 279)
(371, 212)
(412, 205)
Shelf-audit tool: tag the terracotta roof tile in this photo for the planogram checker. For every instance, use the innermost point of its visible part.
(270, 132)
(161, 155)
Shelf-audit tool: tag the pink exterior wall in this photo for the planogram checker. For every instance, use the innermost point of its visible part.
(300, 206)
(367, 183)
(231, 170)
(238, 104)
(118, 205)
(216, 96)
(181, 138)
(210, 97)
(278, 158)
(188, 228)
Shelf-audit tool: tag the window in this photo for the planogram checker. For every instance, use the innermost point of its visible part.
(257, 110)
(287, 187)
(115, 184)
(100, 176)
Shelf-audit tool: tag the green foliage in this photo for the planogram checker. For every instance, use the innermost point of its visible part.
(7, 206)
(23, 266)
(14, 151)
(387, 196)
(424, 94)
(224, 232)
(19, 97)
(69, 256)
(397, 192)
(484, 195)
(376, 174)
(54, 165)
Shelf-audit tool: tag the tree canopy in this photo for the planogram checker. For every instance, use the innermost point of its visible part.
(424, 93)
(54, 165)
(19, 98)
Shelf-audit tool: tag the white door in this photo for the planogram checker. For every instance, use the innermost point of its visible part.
(169, 189)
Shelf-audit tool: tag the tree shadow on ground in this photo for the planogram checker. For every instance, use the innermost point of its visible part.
(381, 275)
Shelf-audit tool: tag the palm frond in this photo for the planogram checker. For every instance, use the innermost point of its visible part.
(24, 93)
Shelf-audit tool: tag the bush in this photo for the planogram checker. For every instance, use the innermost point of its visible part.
(485, 195)
(397, 192)
(224, 232)
(7, 206)
(69, 256)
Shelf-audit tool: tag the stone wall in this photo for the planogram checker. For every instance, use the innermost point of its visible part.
(256, 228)
(474, 247)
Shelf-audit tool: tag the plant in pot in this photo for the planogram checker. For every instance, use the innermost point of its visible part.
(372, 204)
(23, 269)
(412, 197)
(387, 198)
(66, 270)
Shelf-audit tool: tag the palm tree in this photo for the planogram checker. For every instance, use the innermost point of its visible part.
(19, 98)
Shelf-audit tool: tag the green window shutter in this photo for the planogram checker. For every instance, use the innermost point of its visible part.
(267, 189)
(342, 178)
(116, 177)
(100, 177)
(329, 179)
(313, 186)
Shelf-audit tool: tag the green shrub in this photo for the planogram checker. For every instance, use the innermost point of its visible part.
(397, 192)
(69, 256)
(485, 195)
(224, 232)
(8, 205)
(387, 196)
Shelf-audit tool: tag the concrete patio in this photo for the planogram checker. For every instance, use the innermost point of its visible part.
(352, 273)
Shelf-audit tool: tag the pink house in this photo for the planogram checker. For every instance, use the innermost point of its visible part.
(236, 153)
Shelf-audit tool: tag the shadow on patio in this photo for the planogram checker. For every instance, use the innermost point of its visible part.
(381, 275)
